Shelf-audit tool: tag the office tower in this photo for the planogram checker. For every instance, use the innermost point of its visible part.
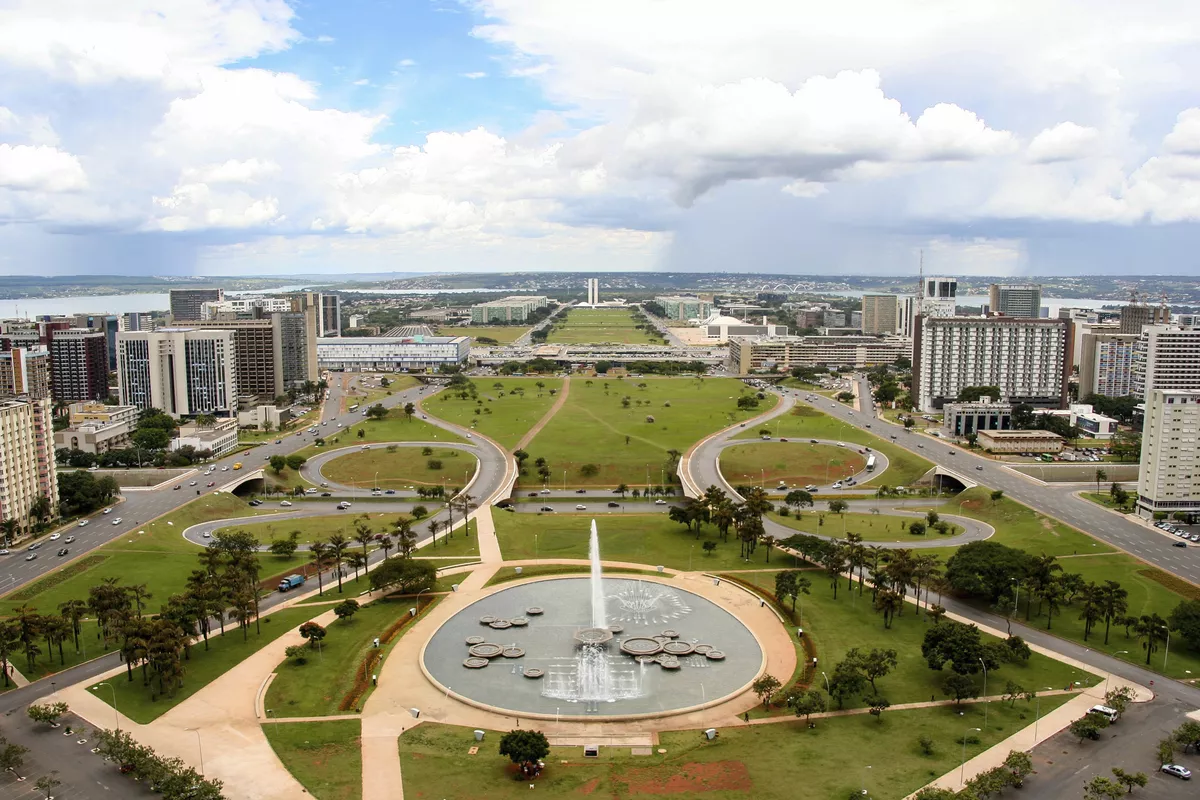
(186, 303)
(1106, 363)
(135, 322)
(243, 307)
(516, 308)
(25, 372)
(1028, 359)
(683, 308)
(331, 315)
(273, 353)
(939, 296)
(880, 313)
(755, 353)
(298, 346)
(1169, 479)
(182, 371)
(1166, 357)
(79, 365)
(593, 291)
(906, 312)
(1015, 300)
(1136, 316)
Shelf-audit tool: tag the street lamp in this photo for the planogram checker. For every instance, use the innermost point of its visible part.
(200, 745)
(1167, 652)
(826, 677)
(864, 779)
(1108, 675)
(962, 768)
(116, 717)
(1037, 713)
(985, 694)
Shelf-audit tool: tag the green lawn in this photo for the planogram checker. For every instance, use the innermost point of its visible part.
(325, 757)
(507, 407)
(1104, 499)
(806, 422)
(139, 703)
(313, 528)
(872, 527)
(609, 326)
(594, 427)
(377, 394)
(401, 469)
(316, 688)
(393, 428)
(506, 574)
(503, 334)
(796, 463)
(850, 621)
(643, 538)
(760, 762)
(160, 558)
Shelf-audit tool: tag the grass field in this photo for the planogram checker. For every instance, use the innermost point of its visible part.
(872, 527)
(836, 759)
(316, 688)
(797, 463)
(325, 757)
(611, 326)
(643, 538)
(313, 528)
(805, 422)
(401, 469)
(595, 427)
(160, 558)
(503, 334)
(393, 428)
(508, 407)
(224, 653)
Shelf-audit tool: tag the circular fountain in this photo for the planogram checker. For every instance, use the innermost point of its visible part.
(597, 647)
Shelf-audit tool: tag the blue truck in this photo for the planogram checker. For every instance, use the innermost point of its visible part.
(291, 582)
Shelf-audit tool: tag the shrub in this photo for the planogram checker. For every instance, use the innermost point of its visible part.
(926, 743)
(434, 463)
(426, 451)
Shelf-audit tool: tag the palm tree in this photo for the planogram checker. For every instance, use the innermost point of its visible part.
(1101, 476)
(889, 602)
(356, 561)
(406, 537)
(1150, 629)
(386, 544)
(1091, 608)
(318, 554)
(139, 592)
(434, 527)
(1052, 593)
(337, 548)
(362, 534)
(1113, 600)
(74, 610)
(10, 528)
(466, 504)
(241, 609)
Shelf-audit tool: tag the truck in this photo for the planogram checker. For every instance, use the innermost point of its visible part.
(291, 582)
(871, 463)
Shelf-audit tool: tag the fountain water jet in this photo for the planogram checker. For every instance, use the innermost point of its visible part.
(598, 615)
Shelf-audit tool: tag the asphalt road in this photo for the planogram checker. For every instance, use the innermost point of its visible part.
(881, 461)
(312, 470)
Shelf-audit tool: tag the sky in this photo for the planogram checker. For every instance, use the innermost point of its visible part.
(258, 137)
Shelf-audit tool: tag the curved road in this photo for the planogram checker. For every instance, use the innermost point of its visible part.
(196, 534)
(881, 460)
(312, 469)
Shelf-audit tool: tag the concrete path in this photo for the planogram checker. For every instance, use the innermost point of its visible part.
(541, 423)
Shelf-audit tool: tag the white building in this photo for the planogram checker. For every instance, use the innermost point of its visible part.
(97, 428)
(1106, 362)
(593, 291)
(27, 469)
(243, 307)
(1170, 475)
(220, 438)
(718, 328)
(392, 353)
(1166, 357)
(1091, 424)
(940, 297)
(182, 371)
(1028, 359)
(757, 353)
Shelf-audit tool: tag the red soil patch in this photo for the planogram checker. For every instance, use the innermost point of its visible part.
(691, 778)
(589, 787)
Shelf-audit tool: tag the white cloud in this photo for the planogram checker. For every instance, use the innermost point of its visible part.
(363, 82)
(232, 171)
(40, 169)
(1066, 141)
(474, 75)
(1184, 138)
(406, 62)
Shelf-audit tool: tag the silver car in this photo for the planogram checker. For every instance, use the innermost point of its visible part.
(1178, 770)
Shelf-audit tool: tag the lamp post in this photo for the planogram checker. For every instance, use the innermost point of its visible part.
(1109, 674)
(962, 768)
(864, 779)
(375, 482)
(1037, 713)
(199, 745)
(1016, 586)
(116, 717)
(826, 677)
(985, 694)
(1167, 652)
(690, 552)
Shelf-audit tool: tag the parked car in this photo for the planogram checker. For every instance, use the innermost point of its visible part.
(1178, 770)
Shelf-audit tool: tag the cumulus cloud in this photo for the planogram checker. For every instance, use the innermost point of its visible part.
(474, 76)
(40, 169)
(1066, 141)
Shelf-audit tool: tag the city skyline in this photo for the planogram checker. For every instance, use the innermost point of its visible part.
(493, 135)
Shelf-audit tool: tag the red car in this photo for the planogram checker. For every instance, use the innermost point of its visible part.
(210, 484)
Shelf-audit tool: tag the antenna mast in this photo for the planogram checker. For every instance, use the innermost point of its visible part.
(921, 281)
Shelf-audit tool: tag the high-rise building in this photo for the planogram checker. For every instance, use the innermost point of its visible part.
(1106, 363)
(187, 304)
(134, 322)
(939, 297)
(273, 353)
(331, 316)
(1166, 357)
(243, 307)
(1028, 359)
(182, 371)
(1169, 479)
(880, 313)
(25, 372)
(685, 308)
(79, 365)
(906, 313)
(27, 470)
(593, 291)
(1136, 316)
(1015, 300)
(754, 353)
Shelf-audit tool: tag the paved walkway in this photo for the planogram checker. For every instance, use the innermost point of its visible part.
(541, 423)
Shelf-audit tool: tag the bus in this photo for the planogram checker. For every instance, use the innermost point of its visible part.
(353, 407)
(871, 463)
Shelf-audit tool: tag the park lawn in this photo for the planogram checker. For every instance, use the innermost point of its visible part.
(316, 688)
(225, 652)
(314, 528)
(796, 463)
(640, 538)
(758, 762)
(506, 574)
(395, 427)
(585, 326)
(504, 415)
(806, 422)
(377, 394)
(872, 527)
(594, 428)
(404, 468)
(849, 621)
(160, 557)
(1104, 499)
(503, 334)
(325, 757)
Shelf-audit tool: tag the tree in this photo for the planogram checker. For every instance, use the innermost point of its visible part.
(1101, 476)
(1020, 766)
(809, 703)
(959, 687)
(296, 461)
(997, 495)
(377, 412)
(987, 569)
(1185, 618)
(916, 528)
(1101, 787)
(589, 470)
(318, 554)
(1088, 726)
(1150, 630)
(313, 632)
(798, 498)
(876, 704)
(1119, 699)
(847, 679)
(765, 686)
(709, 546)
(346, 609)
(1114, 604)
(838, 506)
(337, 551)
(12, 756)
(890, 603)
(1130, 779)
(878, 663)
(406, 575)
(525, 748)
(284, 548)
(47, 713)
(1165, 750)
(953, 642)
(361, 433)
(621, 490)
(48, 783)
(278, 463)
(971, 394)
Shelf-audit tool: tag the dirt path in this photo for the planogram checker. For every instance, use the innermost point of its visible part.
(541, 423)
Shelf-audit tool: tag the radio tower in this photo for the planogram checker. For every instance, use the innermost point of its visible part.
(921, 281)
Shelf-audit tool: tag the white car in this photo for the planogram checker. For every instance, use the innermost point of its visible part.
(310, 490)
(837, 485)
(108, 511)
(117, 521)
(207, 535)
(285, 503)
(54, 537)
(1178, 770)
(580, 507)
(83, 523)
(224, 469)
(660, 502)
(193, 483)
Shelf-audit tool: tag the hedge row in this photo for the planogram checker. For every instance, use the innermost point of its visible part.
(1174, 583)
(366, 668)
(55, 578)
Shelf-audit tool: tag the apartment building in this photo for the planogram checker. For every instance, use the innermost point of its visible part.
(1028, 359)
(1015, 300)
(761, 353)
(182, 371)
(1169, 480)
(25, 372)
(940, 297)
(880, 314)
(1106, 363)
(331, 316)
(79, 365)
(1136, 316)
(273, 352)
(27, 470)
(1166, 357)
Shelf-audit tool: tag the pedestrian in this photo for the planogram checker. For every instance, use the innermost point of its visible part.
(746, 716)
(374, 680)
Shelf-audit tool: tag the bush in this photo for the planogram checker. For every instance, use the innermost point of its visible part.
(926, 743)
(434, 463)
